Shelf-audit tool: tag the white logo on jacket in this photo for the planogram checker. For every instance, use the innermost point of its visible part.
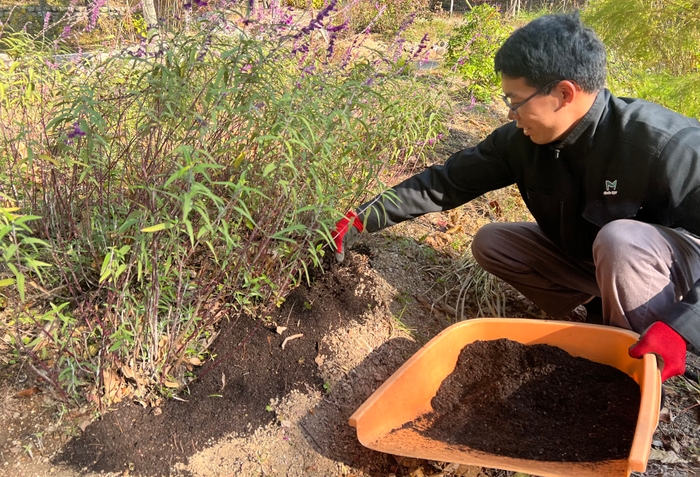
(610, 187)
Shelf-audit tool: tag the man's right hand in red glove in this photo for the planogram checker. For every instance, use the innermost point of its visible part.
(663, 341)
(346, 232)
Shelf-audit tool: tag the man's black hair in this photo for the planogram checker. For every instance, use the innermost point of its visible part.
(554, 47)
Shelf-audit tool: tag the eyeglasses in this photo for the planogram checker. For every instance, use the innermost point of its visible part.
(514, 107)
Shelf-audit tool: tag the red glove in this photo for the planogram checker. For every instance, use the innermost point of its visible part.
(345, 234)
(661, 340)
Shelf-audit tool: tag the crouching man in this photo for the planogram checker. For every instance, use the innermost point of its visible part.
(613, 184)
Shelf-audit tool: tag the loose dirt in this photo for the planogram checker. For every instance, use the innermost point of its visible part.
(534, 402)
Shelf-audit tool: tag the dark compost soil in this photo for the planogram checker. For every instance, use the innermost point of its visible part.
(534, 402)
(232, 393)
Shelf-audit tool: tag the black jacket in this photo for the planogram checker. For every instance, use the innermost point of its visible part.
(627, 159)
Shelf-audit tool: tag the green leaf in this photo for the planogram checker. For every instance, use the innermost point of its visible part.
(157, 227)
(20, 285)
(10, 252)
(185, 150)
(106, 270)
(7, 282)
(34, 241)
(268, 169)
(282, 234)
(190, 231)
(25, 218)
(120, 270)
(125, 226)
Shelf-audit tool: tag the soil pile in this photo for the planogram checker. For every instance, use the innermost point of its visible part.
(534, 402)
(256, 364)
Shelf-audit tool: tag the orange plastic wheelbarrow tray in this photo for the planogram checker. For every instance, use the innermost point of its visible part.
(407, 394)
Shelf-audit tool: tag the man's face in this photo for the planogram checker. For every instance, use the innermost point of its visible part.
(542, 118)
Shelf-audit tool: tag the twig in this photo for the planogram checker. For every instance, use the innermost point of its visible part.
(689, 408)
(290, 338)
(119, 425)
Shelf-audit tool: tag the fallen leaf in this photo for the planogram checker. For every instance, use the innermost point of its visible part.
(665, 457)
(666, 416)
(438, 240)
(319, 359)
(495, 208)
(194, 361)
(111, 383)
(83, 425)
(280, 329)
(455, 229)
(127, 372)
(28, 392)
(290, 338)
(170, 383)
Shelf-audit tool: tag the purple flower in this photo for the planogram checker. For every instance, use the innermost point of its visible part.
(301, 49)
(316, 22)
(337, 28)
(201, 3)
(65, 32)
(205, 48)
(95, 14)
(331, 47)
(47, 18)
(406, 23)
(76, 132)
(421, 46)
(399, 49)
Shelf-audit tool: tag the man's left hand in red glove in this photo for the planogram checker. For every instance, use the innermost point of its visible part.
(663, 341)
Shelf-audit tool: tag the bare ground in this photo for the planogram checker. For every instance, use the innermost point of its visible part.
(261, 409)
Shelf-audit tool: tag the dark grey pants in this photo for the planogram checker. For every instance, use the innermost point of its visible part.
(639, 270)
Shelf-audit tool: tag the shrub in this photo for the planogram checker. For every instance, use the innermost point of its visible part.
(652, 49)
(157, 191)
(384, 16)
(472, 47)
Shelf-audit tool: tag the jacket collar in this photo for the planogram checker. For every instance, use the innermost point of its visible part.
(591, 118)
